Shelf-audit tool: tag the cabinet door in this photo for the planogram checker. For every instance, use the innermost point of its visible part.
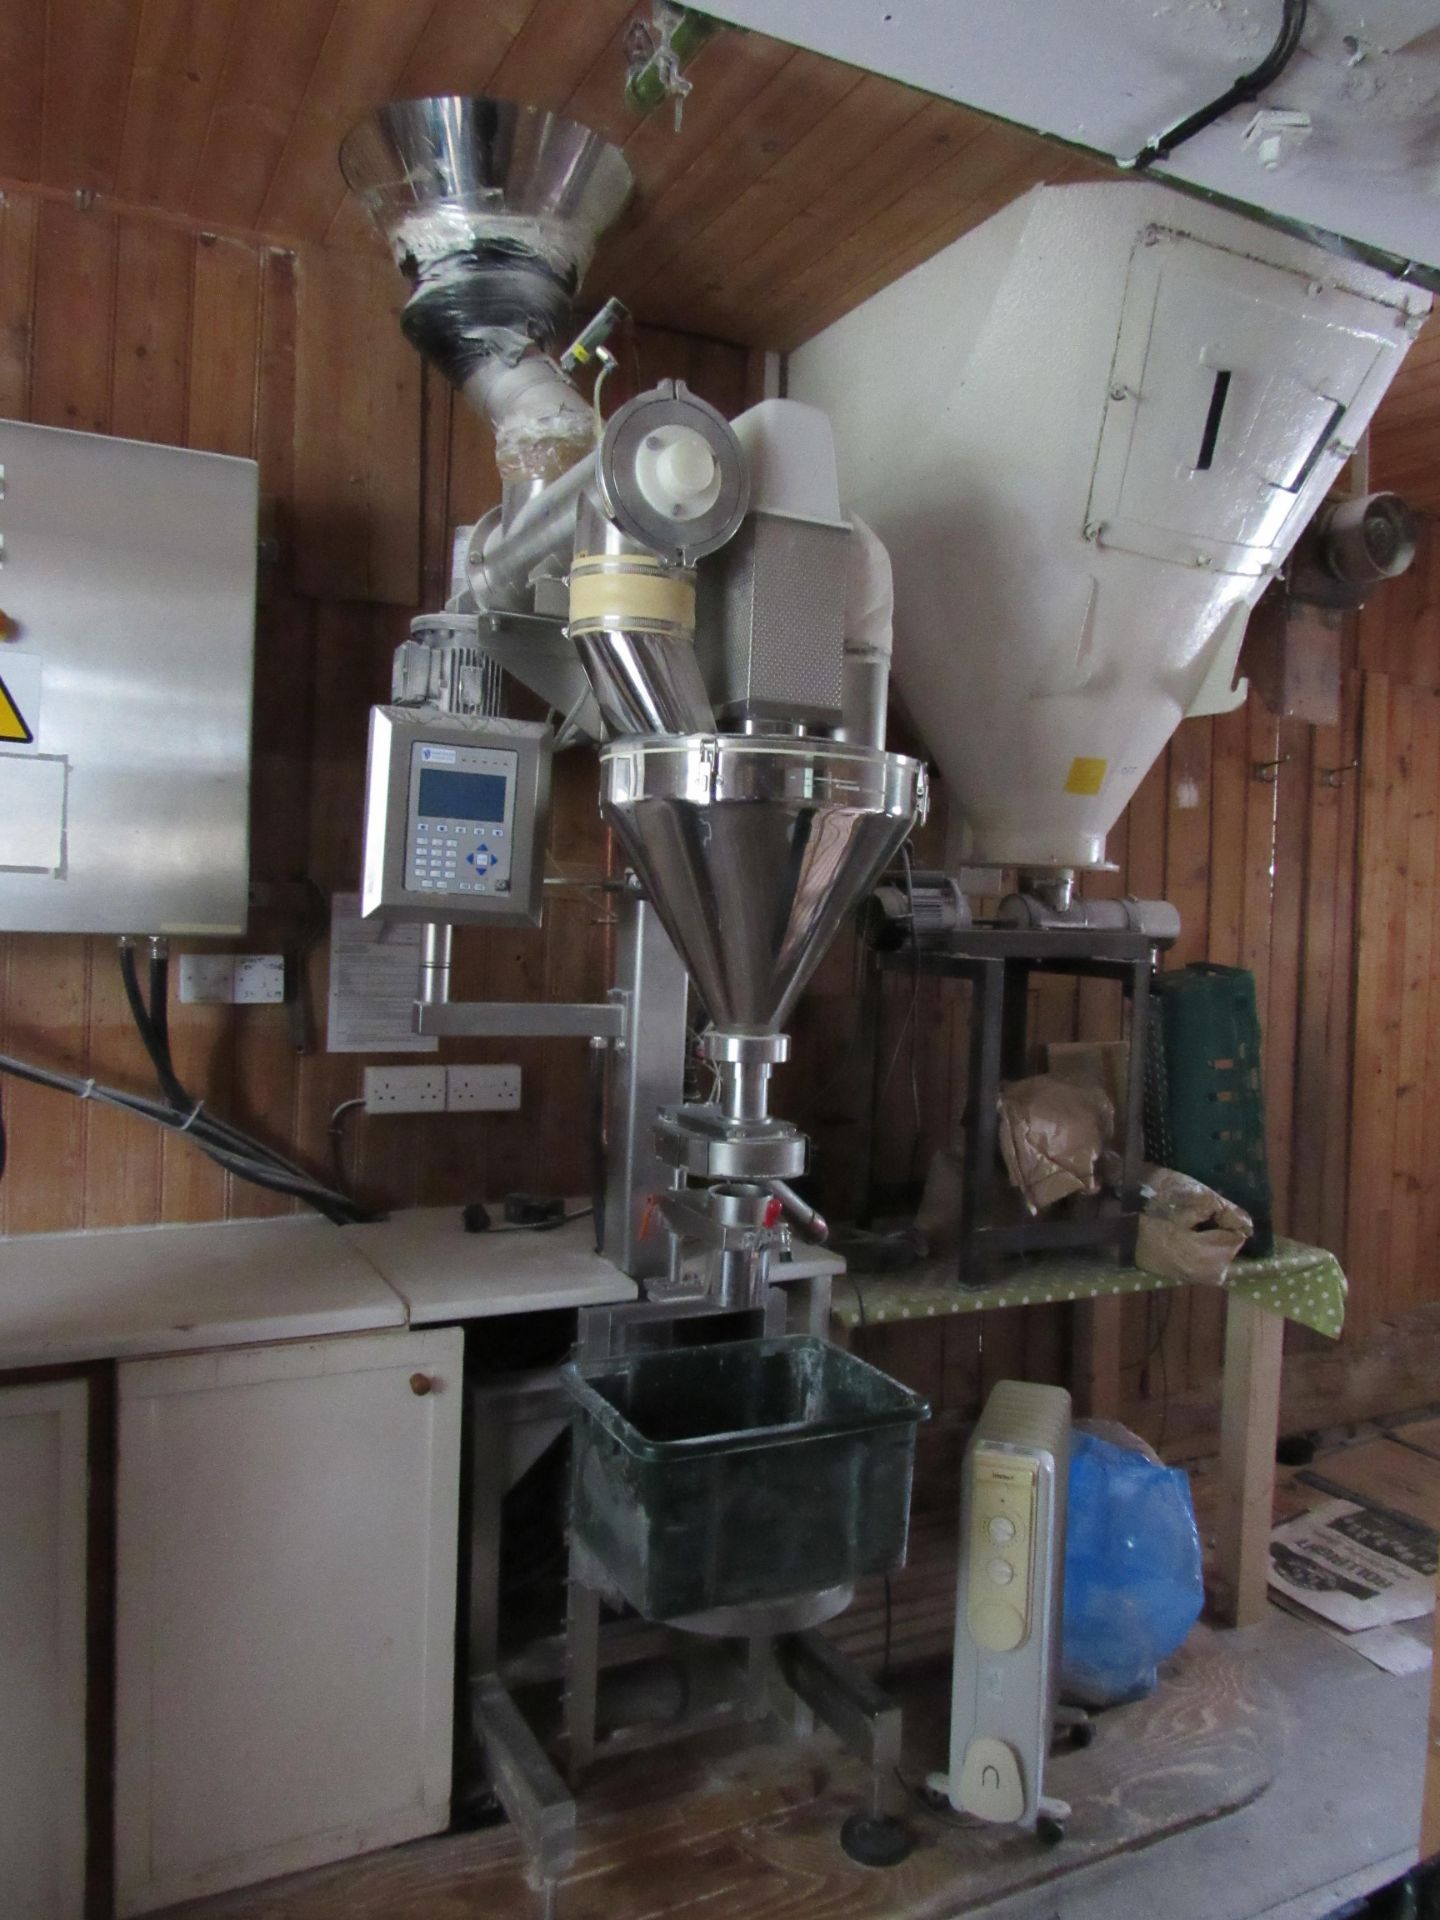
(288, 1519)
(43, 1485)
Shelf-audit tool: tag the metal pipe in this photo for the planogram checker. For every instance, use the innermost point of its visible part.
(436, 941)
(744, 1089)
(1158, 920)
(810, 1220)
(632, 617)
(542, 530)
(741, 1275)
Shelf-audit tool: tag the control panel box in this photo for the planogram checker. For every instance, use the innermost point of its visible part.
(456, 810)
(127, 636)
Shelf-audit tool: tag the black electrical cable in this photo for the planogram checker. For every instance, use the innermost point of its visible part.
(1248, 87)
(140, 1014)
(237, 1151)
(178, 1112)
(196, 1126)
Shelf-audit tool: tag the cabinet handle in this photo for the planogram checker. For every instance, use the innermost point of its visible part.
(421, 1383)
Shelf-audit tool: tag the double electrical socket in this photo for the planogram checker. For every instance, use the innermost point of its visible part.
(232, 979)
(442, 1089)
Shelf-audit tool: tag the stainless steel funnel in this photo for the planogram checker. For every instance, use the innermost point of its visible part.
(753, 850)
(492, 211)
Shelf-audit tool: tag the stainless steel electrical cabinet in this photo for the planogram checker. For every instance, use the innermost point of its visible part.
(127, 628)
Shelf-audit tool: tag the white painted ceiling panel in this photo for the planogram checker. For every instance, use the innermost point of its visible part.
(1109, 75)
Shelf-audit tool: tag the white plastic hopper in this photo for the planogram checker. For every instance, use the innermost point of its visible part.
(1089, 432)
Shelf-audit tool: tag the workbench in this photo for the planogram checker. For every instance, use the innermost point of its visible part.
(1295, 1282)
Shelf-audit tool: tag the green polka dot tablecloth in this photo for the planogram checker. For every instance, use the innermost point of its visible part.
(1303, 1283)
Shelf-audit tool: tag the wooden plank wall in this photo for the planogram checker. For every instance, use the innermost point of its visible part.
(1394, 1173)
(127, 324)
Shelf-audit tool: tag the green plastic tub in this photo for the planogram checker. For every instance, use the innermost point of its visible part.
(719, 1475)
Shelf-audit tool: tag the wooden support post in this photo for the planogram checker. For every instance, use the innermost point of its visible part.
(1096, 1358)
(1249, 1417)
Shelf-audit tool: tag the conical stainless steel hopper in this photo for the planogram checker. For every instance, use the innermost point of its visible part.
(753, 850)
(492, 211)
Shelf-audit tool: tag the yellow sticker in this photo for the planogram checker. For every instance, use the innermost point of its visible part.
(13, 725)
(1086, 776)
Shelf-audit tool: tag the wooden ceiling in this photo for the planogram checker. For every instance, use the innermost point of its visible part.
(795, 187)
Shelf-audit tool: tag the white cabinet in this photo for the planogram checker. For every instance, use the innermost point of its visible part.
(43, 1484)
(288, 1521)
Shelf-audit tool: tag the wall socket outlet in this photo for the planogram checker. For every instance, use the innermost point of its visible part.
(404, 1089)
(207, 979)
(259, 980)
(482, 1089)
(232, 979)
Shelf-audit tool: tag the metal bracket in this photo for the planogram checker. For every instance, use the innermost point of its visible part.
(620, 998)
(1269, 770)
(1335, 776)
(650, 54)
(522, 1019)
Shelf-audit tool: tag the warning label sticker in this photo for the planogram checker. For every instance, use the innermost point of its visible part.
(19, 702)
(1087, 776)
(13, 724)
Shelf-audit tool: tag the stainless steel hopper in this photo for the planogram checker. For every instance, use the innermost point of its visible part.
(754, 848)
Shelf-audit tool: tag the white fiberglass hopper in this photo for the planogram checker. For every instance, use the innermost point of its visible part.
(1089, 433)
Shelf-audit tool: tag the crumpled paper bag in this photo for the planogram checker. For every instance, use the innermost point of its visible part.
(1187, 1231)
(1052, 1133)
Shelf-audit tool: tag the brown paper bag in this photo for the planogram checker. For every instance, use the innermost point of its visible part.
(1051, 1135)
(1188, 1232)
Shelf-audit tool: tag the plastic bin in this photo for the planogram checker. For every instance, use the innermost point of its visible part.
(1212, 1071)
(718, 1475)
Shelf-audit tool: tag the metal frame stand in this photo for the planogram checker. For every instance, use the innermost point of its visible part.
(998, 961)
(786, 1674)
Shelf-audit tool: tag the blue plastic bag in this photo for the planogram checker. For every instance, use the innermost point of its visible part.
(1133, 1585)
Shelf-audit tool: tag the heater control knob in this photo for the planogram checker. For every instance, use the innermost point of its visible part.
(1002, 1529)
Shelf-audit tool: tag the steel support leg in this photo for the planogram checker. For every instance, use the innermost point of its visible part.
(539, 1805)
(852, 1706)
(582, 1674)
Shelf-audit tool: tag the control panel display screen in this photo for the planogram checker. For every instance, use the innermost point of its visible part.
(448, 795)
(460, 826)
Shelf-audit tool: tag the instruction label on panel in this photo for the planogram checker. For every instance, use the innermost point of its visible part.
(1086, 776)
(20, 680)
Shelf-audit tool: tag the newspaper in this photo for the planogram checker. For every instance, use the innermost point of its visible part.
(1354, 1567)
